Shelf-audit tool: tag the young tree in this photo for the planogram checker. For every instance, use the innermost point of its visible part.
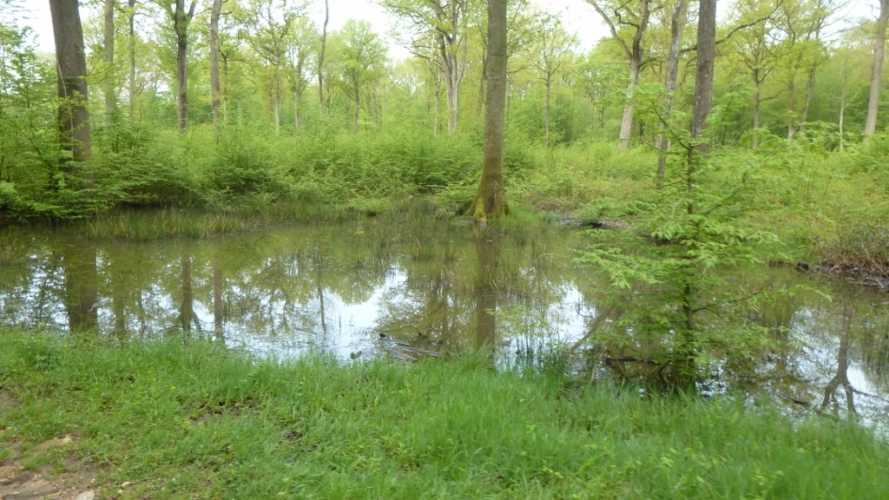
(626, 22)
(74, 126)
(362, 61)
(873, 104)
(180, 20)
(550, 56)
(446, 20)
(490, 199)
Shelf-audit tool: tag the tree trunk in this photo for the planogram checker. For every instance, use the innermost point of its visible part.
(677, 25)
(810, 91)
(357, 111)
(706, 51)
(490, 199)
(214, 60)
(452, 88)
(73, 124)
(321, 60)
(181, 20)
(626, 123)
(276, 103)
(108, 42)
(182, 82)
(132, 48)
(873, 104)
(296, 100)
(549, 79)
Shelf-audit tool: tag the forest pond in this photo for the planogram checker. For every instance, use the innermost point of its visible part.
(409, 288)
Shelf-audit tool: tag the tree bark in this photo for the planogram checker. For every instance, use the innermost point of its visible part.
(706, 52)
(490, 199)
(321, 60)
(215, 13)
(873, 104)
(181, 20)
(108, 42)
(73, 124)
(626, 122)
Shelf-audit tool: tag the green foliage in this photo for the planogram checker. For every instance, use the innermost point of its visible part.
(186, 419)
(675, 269)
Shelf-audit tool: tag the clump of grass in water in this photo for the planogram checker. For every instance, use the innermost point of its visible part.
(190, 419)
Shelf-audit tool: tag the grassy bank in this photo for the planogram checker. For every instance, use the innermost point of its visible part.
(184, 419)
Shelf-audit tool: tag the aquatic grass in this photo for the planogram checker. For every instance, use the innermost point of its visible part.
(186, 419)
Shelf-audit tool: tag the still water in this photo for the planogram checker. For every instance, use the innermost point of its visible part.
(413, 287)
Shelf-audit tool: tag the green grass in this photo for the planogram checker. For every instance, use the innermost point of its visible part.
(186, 419)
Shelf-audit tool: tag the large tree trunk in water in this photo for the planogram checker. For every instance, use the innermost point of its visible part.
(81, 286)
(490, 199)
(870, 124)
(108, 42)
(74, 127)
(214, 60)
(626, 123)
(321, 60)
(677, 25)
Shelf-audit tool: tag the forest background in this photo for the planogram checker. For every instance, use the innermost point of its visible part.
(297, 112)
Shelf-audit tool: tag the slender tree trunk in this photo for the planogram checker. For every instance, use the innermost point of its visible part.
(182, 82)
(452, 88)
(296, 103)
(357, 111)
(757, 101)
(321, 60)
(548, 84)
(215, 13)
(276, 103)
(810, 91)
(677, 25)
(791, 119)
(626, 123)
(73, 124)
(131, 45)
(490, 199)
(181, 20)
(873, 104)
(108, 42)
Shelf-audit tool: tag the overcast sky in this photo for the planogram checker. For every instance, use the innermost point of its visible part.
(577, 16)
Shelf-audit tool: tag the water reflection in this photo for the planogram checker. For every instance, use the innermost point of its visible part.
(415, 289)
